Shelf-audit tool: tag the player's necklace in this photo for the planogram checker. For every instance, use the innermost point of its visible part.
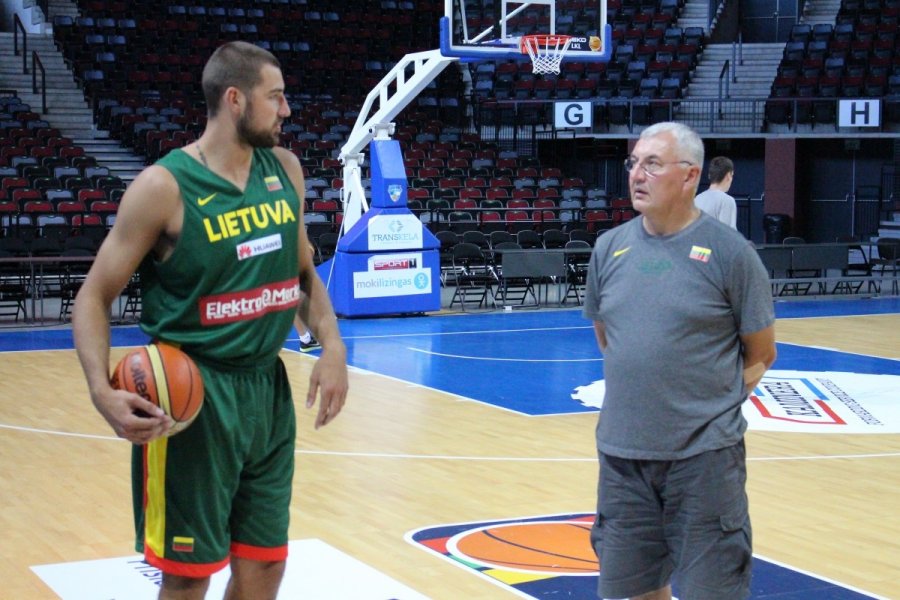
(202, 156)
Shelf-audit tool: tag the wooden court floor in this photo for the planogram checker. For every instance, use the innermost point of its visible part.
(404, 456)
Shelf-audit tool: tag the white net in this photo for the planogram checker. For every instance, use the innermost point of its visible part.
(546, 52)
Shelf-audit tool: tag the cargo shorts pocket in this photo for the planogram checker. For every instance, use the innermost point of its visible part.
(735, 547)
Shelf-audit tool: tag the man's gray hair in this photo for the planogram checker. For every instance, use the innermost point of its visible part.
(686, 140)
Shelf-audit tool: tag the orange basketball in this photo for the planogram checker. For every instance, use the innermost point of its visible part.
(165, 376)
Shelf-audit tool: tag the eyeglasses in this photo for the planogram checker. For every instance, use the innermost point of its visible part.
(652, 166)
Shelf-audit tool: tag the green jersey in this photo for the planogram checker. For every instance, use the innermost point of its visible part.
(230, 289)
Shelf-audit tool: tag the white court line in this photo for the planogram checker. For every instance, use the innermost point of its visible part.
(458, 397)
(548, 459)
(452, 457)
(61, 433)
(469, 357)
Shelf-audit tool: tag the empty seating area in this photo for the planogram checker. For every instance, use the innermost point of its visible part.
(473, 262)
(55, 201)
(141, 67)
(857, 57)
(160, 40)
(50, 190)
(486, 189)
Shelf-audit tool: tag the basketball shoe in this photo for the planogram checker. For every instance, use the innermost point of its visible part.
(312, 344)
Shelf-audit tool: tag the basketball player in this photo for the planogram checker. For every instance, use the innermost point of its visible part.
(715, 201)
(217, 229)
(683, 314)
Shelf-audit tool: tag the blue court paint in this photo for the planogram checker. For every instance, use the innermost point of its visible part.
(525, 361)
(61, 339)
(770, 582)
(837, 308)
(531, 362)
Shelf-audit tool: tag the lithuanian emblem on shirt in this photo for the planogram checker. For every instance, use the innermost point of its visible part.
(273, 184)
(700, 253)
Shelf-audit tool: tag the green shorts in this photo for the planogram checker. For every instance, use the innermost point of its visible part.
(222, 487)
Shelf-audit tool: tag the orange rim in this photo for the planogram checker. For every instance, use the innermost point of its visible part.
(542, 40)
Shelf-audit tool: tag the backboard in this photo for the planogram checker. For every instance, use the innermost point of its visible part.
(492, 29)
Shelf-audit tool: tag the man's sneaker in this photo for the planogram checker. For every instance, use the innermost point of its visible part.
(311, 345)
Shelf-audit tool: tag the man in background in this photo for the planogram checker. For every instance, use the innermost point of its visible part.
(715, 201)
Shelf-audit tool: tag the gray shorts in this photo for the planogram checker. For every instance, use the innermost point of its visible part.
(683, 522)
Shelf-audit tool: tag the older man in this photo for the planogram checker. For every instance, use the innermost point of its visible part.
(683, 315)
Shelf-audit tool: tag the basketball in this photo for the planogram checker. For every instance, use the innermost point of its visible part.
(165, 376)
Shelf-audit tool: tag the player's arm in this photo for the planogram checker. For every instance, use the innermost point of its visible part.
(144, 217)
(759, 354)
(329, 376)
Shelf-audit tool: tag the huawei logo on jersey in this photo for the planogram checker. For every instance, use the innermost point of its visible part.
(249, 304)
(264, 245)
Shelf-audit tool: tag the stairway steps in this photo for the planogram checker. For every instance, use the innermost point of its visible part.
(743, 79)
(755, 73)
(694, 13)
(756, 67)
(55, 96)
(60, 108)
(67, 109)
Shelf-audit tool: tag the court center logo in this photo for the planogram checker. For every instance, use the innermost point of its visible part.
(807, 402)
(537, 557)
(551, 556)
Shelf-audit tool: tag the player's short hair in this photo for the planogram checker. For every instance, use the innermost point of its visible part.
(234, 64)
(719, 168)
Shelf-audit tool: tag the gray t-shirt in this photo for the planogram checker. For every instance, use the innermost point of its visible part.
(718, 204)
(673, 308)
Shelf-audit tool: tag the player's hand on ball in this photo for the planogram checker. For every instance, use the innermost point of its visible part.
(132, 417)
(165, 377)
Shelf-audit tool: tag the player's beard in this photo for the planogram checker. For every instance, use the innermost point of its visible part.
(256, 138)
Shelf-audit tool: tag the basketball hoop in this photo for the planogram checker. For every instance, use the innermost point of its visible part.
(546, 51)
